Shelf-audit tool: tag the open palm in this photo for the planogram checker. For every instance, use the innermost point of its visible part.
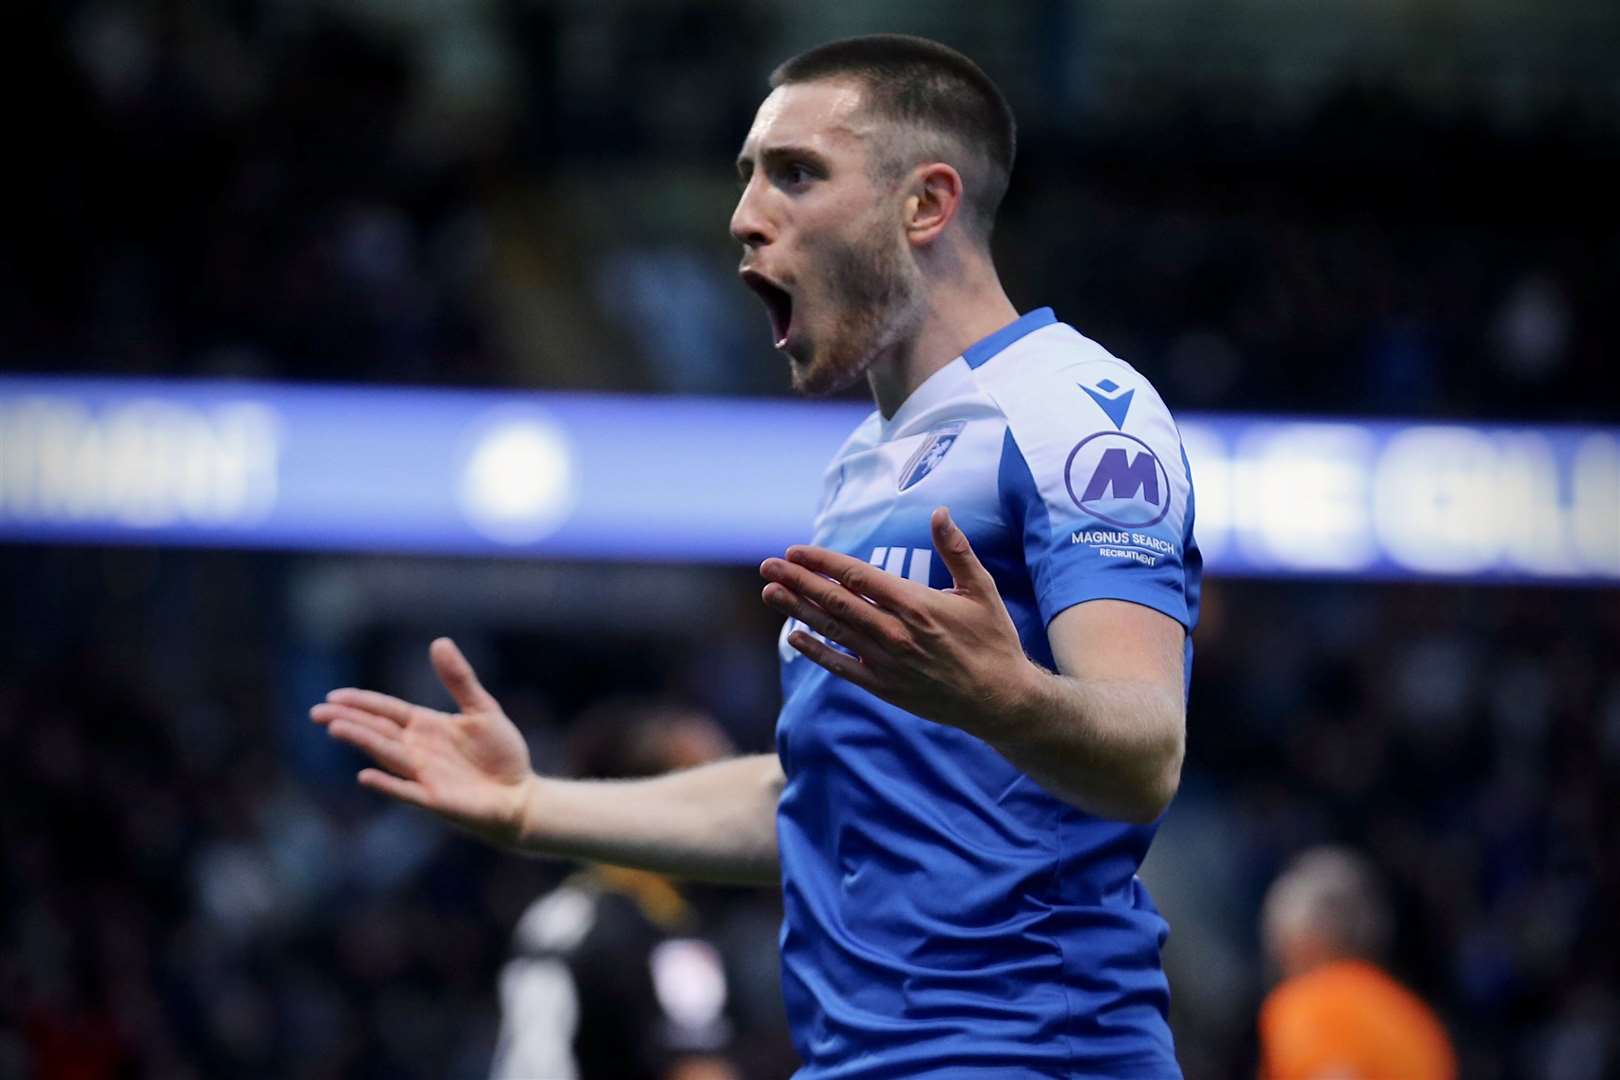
(471, 767)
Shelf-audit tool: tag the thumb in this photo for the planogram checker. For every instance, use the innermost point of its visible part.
(458, 677)
(953, 547)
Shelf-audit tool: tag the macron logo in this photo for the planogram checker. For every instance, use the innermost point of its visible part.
(1112, 399)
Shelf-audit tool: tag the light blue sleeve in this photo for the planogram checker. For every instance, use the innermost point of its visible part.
(1092, 472)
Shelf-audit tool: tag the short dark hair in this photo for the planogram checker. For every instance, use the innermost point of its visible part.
(915, 81)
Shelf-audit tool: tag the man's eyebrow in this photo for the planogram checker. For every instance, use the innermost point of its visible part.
(775, 155)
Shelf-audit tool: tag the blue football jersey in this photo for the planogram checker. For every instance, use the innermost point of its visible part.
(945, 916)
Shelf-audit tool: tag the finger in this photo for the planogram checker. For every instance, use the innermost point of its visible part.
(846, 598)
(389, 753)
(404, 790)
(861, 578)
(836, 612)
(841, 664)
(785, 600)
(384, 705)
(957, 553)
(328, 712)
(458, 677)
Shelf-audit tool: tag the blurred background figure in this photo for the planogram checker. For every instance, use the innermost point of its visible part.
(1336, 1014)
(611, 977)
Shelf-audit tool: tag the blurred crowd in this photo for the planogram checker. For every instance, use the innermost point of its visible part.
(196, 887)
(1468, 743)
(536, 195)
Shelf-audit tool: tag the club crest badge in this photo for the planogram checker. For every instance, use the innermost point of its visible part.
(935, 445)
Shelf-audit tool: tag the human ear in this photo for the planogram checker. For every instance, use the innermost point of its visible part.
(936, 194)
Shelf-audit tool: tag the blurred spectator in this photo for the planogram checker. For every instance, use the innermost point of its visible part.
(1337, 1013)
(191, 898)
(611, 977)
(533, 195)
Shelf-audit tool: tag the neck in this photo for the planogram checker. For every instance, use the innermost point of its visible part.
(961, 309)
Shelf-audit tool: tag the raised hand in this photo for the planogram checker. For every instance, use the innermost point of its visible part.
(952, 656)
(471, 767)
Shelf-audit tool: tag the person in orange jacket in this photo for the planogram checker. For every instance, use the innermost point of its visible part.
(1336, 1014)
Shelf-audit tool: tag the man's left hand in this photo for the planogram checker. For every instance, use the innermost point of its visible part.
(952, 655)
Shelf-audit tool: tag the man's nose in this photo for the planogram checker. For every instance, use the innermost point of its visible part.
(748, 224)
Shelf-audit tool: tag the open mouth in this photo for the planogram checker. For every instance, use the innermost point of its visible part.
(778, 303)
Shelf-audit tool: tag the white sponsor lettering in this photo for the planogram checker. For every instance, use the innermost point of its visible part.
(894, 562)
(912, 564)
(1149, 548)
(144, 464)
(1128, 553)
(1431, 499)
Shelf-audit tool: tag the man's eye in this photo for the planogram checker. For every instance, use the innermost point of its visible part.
(796, 174)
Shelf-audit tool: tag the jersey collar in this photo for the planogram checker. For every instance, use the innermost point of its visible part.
(944, 382)
(936, 388)
(986, 347)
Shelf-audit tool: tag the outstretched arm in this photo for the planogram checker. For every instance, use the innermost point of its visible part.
(716, 822)
(1104, 732)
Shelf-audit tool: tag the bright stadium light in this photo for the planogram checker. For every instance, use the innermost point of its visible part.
(518, 483)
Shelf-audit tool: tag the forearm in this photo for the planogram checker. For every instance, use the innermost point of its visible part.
(1111, 747)
(714, 823)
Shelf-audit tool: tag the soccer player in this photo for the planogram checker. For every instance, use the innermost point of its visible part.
(1336, 1013)
(610, 976)
(984, 707)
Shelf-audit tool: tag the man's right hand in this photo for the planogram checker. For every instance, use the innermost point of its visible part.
(471, 767)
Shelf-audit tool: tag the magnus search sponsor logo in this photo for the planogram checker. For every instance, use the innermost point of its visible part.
(1122, 482)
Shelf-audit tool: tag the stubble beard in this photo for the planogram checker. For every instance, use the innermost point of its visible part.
(875, 297)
